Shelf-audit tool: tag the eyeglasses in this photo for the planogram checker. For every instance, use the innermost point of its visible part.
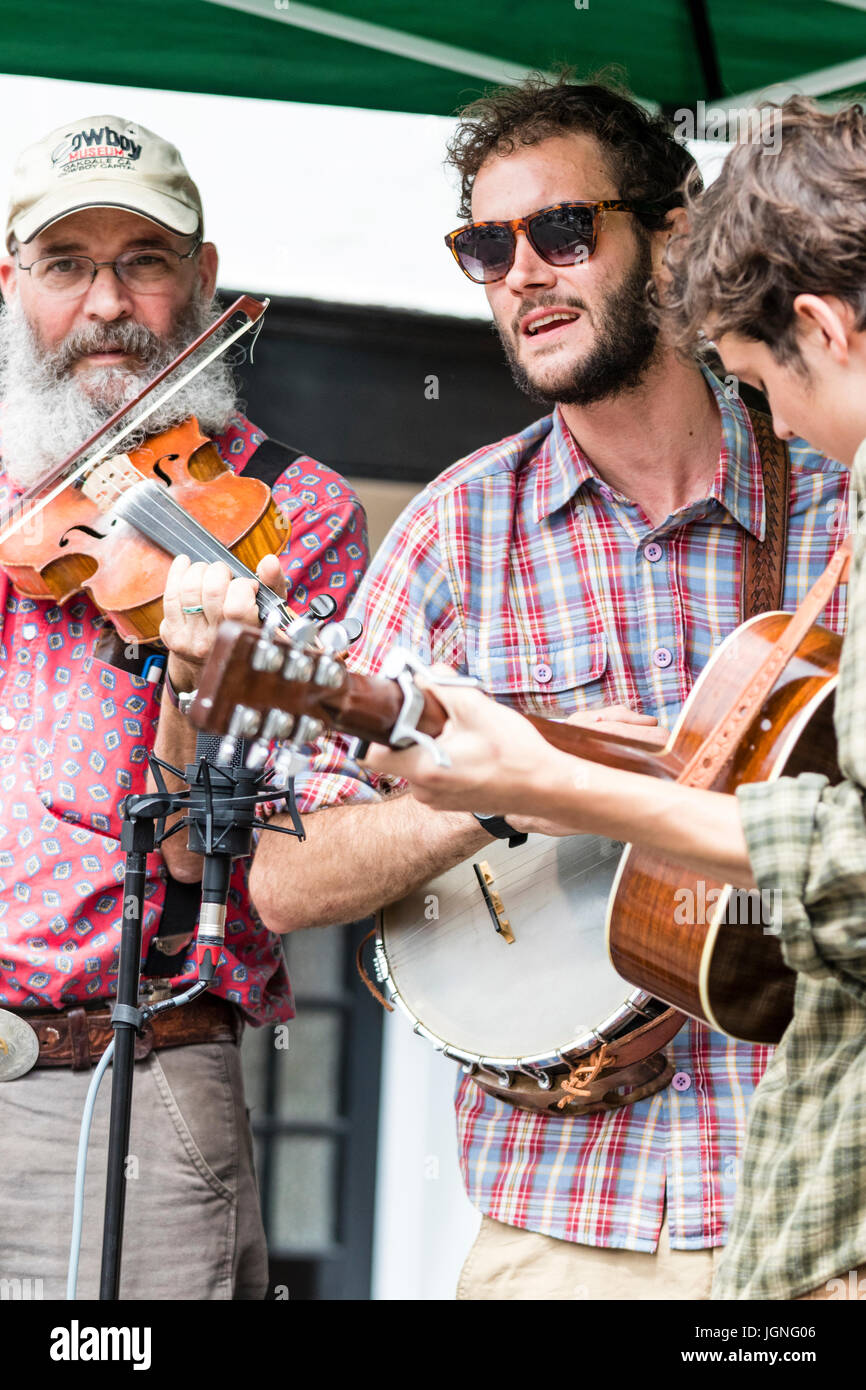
(562, 235)
(147, 271)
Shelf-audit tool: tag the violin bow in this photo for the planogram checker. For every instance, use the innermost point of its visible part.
(252, 311)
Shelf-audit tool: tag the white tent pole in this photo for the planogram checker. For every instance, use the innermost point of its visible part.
(832, 79)
(359, 31)
(378, 36)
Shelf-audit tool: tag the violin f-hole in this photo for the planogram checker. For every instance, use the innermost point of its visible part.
(160, 472)
(88, 531)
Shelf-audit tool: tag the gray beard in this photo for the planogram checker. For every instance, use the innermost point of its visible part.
(47, 412)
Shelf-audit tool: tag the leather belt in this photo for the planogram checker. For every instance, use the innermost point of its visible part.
(77, 1036)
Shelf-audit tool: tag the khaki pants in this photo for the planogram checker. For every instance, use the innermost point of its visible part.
(509, 1263)
(193, 1228)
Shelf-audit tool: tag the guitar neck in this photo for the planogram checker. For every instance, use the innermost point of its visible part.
(368, 707)
(640, 750)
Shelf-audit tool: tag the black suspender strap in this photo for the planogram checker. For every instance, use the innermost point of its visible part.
(271, 459)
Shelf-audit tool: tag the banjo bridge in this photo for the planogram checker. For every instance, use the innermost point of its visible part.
(494, 902)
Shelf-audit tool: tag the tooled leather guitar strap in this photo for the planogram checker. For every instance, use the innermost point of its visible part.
(636, 1060)
(762, 585)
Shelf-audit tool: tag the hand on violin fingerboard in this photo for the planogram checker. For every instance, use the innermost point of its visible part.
(197, 599)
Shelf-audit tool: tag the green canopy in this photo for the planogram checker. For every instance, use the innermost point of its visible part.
(405, 55)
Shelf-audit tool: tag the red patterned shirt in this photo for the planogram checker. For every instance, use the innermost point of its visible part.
(74, 737)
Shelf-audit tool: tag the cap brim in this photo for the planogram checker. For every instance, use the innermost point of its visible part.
(168, 212)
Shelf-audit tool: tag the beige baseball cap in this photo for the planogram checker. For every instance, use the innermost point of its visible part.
(101, 162)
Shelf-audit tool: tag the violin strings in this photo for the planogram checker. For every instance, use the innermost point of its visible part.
(176, 531)
(185, 522)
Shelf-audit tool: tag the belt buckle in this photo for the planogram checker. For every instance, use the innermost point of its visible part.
(19, 1046)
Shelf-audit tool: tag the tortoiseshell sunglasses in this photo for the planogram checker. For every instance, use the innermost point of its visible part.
(562, 235)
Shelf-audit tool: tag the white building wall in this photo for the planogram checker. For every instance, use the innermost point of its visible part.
(424, 1221)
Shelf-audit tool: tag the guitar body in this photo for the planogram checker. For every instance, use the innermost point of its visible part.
(706, 948)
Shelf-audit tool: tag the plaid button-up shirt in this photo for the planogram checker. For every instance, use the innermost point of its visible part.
(800, 1214)
(522, 567)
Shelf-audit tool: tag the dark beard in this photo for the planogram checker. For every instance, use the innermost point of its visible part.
(626, 340)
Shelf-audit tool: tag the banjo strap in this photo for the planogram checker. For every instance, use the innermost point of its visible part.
(635, 1062)
(359, 962)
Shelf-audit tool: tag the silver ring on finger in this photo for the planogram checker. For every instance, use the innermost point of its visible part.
(193, 608)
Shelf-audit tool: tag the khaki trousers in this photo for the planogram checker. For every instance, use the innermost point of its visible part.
(509, 1263)
(193, 1229)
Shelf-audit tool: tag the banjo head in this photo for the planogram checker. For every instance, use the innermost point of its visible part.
(552, 989)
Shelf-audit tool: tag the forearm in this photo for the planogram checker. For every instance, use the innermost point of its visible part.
(699, 829)
(175, 743)
(356, 859)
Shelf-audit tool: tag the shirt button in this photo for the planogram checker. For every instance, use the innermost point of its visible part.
(29, 630)
(681, 1081)
(7, 723)
(652, 552)
(542, 672)
(662, 657)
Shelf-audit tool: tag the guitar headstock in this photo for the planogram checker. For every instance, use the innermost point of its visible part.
(292, 685)
(268, 687)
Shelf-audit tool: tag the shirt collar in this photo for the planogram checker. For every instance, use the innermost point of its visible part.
(562, 468)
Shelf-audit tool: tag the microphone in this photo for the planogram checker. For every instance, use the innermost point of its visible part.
(221, 816)
(225, 785)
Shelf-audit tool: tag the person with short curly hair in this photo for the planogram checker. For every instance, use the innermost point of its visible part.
(773, 269)
(592, 560)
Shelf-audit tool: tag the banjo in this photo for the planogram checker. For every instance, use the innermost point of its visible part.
(501, 962)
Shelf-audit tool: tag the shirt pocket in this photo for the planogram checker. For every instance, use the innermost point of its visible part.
(96, 751)
(557, 681)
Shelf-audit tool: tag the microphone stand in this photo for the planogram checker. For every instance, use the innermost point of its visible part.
(220, 804)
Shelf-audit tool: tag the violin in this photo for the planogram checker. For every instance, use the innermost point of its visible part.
(113, 525)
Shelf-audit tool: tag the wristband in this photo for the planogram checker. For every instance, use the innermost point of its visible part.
(181, 699)
(498, 826)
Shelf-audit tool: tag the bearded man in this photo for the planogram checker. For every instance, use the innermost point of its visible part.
(593, 560)
(108, 277)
